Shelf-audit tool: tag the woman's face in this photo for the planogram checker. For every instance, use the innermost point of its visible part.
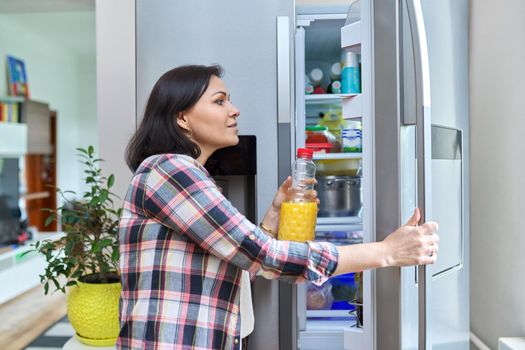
(212, 122)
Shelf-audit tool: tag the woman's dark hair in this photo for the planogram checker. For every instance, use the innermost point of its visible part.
(176, 91)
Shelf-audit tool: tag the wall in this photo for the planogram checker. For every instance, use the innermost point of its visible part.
(497, 75)
(87, 107)
(56, 75)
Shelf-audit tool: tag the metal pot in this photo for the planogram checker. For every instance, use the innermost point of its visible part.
(339, 195)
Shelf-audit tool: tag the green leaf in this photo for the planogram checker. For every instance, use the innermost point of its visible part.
(57, 285)
(111, 180)
(90, 150)
(115, 254)
(69, 247)
(106, 242)
(103, 195)
(46, 288)
(82, 150)
(49, 220)
(96, 247)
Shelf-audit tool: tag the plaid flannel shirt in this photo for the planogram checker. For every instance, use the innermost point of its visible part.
(183, 247)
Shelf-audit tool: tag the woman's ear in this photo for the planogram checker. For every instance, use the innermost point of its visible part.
(182, 121)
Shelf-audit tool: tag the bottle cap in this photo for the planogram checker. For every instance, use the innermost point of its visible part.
(316, 76)
(305, 153)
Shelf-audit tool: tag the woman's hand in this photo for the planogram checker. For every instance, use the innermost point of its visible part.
(411, 244)
(408, 245)
(271, 218)
(281, 194)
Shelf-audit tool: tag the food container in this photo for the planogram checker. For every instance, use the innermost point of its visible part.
(319, 134)
(319, 147)
(343, 290)
(352, 137)
(339, 196)
(319, 297)
(347, 167)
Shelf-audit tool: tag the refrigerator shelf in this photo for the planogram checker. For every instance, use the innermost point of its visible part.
(326, 98)
(330, 313)
(340, 324)
(341, 220)
(339, 227)
(347, 155)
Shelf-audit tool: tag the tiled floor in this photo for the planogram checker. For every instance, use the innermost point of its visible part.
(53, 338)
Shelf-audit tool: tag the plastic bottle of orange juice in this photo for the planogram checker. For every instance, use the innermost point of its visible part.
(298, 212)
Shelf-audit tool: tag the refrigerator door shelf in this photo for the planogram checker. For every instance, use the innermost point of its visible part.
(351, 37)
(353, 107)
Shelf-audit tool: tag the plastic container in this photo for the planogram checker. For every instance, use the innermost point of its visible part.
(344, 289)
(319, 297)
(348, 167)
(298, 212)
(352, 137)
(321, 147)
(319, 134)
(320, 140)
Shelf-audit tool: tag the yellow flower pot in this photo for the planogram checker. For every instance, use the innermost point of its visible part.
(92, 310)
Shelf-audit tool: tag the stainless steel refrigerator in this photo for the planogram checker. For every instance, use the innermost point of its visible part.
(412, 106)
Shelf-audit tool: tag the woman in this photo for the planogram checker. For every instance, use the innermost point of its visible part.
(183, 246)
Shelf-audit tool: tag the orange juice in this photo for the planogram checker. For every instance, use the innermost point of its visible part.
(297, 221)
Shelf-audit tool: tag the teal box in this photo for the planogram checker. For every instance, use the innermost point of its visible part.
(351, 80)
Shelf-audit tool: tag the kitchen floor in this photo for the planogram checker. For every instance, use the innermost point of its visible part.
(24, 318)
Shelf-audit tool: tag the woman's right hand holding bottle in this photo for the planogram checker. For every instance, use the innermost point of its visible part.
(408, 245)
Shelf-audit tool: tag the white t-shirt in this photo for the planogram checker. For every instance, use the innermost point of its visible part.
(246, 306)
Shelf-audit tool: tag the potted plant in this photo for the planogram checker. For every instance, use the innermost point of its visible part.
(84, 261)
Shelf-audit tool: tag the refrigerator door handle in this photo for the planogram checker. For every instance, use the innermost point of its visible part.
(423, 155)
(284, 96)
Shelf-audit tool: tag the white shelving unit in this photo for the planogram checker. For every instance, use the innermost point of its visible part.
(11, 99)
(19, 272)
(14, 139)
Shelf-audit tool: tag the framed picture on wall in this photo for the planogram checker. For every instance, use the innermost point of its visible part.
(17, 77)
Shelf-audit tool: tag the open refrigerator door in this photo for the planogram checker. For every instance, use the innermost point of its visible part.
(331, 120)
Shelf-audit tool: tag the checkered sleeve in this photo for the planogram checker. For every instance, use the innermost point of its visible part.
(182, 197)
